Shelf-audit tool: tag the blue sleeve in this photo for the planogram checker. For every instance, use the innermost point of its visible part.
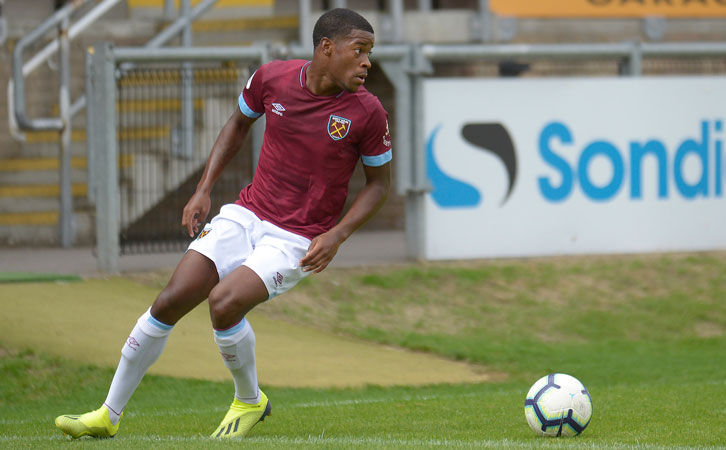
(246, 110)
(377, 160)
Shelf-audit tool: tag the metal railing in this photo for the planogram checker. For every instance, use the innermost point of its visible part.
(17, 117)
(105, 59)
(62, 124)
(406, 66)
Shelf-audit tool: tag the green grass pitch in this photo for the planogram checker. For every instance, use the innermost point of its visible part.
(644, 334)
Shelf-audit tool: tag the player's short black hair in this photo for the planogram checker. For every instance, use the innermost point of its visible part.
(338, 22)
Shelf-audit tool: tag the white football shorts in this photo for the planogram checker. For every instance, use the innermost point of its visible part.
(237, 237)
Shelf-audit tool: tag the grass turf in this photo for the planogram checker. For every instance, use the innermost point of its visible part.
(645, 335)
(178, 413)
(30, 277)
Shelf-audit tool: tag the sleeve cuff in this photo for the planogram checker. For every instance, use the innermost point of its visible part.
(378, 160)
(246, 109)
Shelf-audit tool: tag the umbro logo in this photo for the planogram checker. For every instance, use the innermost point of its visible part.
(278, 109)
(228, 356)
(132, 343)
(278, 279)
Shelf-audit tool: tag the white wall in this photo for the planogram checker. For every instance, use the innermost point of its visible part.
(578, 187)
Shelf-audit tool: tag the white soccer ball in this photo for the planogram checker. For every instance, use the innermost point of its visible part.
(558, 405)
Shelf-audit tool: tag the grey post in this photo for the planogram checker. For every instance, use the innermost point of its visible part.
(103, 97)
(169, 10)
(65, 220)
(416, 194)
(407, 153)
(258, 127)
(485, 21)
(90, 130)
(305, 28)
(187, 87)
(396, 64)
(396, 10)
(633, 64)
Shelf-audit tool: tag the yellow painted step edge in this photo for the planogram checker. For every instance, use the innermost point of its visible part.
(44, 137)
(41, 190)
(219, 4)
(29, 218)
(77, 162)
(246, 23)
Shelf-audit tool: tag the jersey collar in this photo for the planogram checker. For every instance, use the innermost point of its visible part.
(303, 78)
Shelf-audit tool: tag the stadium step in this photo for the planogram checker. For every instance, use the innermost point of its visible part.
(41, 229)
(30, 203)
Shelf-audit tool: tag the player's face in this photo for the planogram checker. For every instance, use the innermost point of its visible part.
(351, 59)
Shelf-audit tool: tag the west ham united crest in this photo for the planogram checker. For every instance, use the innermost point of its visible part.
(338, 127)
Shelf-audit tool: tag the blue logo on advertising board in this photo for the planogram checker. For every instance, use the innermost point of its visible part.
(450, 192)
(627, 165)
(557, 138)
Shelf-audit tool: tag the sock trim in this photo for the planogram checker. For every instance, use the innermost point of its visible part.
(231, 330)
(251, 400)
(111, 409)
(158, 324)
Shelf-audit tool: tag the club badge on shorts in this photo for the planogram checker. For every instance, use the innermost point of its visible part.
(204, 232)
(338, 127)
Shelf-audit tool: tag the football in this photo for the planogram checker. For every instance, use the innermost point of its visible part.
(558, 405)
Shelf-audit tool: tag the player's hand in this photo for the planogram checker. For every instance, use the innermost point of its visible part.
(322, 250)
(195, 212)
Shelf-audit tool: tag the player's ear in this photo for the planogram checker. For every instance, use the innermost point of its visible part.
(326, 46)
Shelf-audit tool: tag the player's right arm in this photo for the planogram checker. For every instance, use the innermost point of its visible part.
(228, 143)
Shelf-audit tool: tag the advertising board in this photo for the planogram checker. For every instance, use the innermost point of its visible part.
(609, 8)
(524, 167)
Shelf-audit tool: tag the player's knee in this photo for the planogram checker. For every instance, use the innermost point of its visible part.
(163, 308)
(220, 302)
(226, 308)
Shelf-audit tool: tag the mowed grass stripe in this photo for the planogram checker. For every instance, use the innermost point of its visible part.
(356, 442)
(287, 354)
(643, 333)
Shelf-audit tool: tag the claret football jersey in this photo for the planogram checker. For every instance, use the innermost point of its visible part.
(311, 146)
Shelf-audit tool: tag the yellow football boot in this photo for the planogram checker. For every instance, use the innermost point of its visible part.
(95, 424)
(241, 417)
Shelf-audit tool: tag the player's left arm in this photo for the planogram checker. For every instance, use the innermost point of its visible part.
(369, 200)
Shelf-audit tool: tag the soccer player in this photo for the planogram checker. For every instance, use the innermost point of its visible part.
(284, 226)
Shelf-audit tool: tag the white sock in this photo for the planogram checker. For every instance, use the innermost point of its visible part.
(143, 346)
(237, 347)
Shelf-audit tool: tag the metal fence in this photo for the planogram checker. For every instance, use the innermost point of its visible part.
(151, 122)
(158, 168)
(155, 170)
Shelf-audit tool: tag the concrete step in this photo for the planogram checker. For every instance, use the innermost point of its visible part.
(42, 177)
(40, 190)
(224, 8)
(29, 218)
(39, 163)
(39, 198)
(44, 171)
(46, 150)
(41, 229)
